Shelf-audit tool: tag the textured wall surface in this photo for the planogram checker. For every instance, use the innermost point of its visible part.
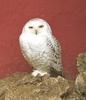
(67, 19)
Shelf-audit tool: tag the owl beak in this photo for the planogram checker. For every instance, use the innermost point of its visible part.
(36, 32)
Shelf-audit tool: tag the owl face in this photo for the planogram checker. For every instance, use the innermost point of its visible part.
(37, 27)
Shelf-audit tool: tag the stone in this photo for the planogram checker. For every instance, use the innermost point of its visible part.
(81, 62)
(80, 83)
(8, 82)
(23, 86)
(38, 88)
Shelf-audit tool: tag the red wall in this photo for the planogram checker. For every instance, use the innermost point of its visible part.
(67, 19)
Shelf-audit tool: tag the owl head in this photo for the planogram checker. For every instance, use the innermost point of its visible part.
(37, 27)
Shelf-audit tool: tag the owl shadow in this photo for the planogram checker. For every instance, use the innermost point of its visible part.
(53, 73)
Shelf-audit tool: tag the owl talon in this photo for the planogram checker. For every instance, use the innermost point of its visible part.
(38, 73)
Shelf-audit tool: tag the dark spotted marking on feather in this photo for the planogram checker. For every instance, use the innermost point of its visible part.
(50, 45)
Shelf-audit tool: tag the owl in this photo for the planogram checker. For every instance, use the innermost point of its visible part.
(40, 48)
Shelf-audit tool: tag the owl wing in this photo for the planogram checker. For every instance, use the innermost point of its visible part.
(55, 47)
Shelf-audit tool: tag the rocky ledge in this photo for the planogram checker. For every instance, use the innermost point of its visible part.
(22, 86)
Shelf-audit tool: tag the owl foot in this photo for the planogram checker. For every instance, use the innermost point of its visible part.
(38, 73)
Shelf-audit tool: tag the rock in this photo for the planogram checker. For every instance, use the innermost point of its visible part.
(80, 83)
(23, 86)
(39, 89)
(81, 62)
(8, 81)
(73, 96)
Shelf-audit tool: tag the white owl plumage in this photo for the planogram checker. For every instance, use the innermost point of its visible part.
(40, 48)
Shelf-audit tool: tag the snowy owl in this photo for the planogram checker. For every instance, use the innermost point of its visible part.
(40, 48)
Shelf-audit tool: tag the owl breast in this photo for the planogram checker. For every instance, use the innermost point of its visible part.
(36, 52)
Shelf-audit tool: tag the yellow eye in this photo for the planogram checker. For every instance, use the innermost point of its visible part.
(30, 27)
(41, 26)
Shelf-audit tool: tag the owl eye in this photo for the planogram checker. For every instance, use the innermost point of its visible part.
(30, 27)
(41, 26)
